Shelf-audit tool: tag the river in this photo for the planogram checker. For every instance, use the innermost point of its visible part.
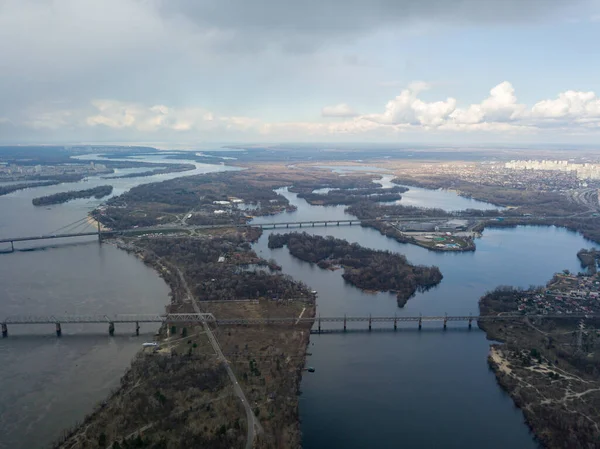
(425, 389)
(386, 390)
(47, 383)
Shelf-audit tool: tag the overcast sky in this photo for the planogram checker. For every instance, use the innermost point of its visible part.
(190, 71)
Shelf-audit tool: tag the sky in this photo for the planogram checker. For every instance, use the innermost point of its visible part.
(397, 71)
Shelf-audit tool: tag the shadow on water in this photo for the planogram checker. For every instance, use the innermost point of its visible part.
(50, 246)
(93, 337)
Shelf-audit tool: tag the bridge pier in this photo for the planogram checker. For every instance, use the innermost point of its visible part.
(58, 330)
(369, 323)
(395, 323)
(420, 323)
(4, 330)
(470, 321)
(350, 223)
(445, 323)
(313, 224)
(338, 223)
(287, 225)
(137, 328)
(325, 224)
(344, 323)
(12, 246)
(99, 232)
(319, 324)
(111, 329)
(300, 224)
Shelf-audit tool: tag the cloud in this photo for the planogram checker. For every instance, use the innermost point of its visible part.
(500, 106)
(408, 109)
(339, 110)
(312, 21)
(572, 112)
(569, 104)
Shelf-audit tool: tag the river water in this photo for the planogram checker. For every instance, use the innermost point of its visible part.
(411, 389)
(47, 384)
(423, 389)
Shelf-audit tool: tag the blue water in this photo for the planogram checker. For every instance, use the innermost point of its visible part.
(427, 389)
(414, 389)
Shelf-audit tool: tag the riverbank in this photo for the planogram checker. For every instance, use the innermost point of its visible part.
(551, 377)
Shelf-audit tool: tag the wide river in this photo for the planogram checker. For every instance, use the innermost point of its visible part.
(425, 389)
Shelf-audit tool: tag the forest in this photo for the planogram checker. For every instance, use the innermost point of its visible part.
(242, 275)
(364, 268)
(63, 197)
(589, 259)
(171, 168)
(353, 196)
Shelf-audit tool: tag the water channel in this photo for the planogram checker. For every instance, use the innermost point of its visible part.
(386, 390)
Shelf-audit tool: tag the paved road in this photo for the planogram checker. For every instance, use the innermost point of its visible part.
(254, 426)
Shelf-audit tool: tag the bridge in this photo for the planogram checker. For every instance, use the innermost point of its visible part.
(199, 318)
(99, 233)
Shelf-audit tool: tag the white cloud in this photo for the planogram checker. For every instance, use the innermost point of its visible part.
(570, 113)
(500, 106)
(572, 104)
(339, 110)
(407, 109)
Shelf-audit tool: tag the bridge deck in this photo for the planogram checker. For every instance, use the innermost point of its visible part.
(265, 225)
(208, 317)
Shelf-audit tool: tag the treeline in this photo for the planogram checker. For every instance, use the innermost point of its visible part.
(172, 168)
(364, 268)
(5, 190)
(353, 196)
(63, 197)
(210, 279)
(501, 299)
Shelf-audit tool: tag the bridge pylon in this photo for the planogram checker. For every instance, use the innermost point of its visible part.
(420, 323)
(111, 329)
(58, 329)
(137, 328)
(4, 330)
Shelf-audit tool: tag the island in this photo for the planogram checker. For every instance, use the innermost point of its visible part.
(364, 268)
(63, 197)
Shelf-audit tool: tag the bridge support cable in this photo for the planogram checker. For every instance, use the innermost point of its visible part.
(62, 228)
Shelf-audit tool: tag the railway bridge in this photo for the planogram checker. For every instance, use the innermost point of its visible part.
(320, 324)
